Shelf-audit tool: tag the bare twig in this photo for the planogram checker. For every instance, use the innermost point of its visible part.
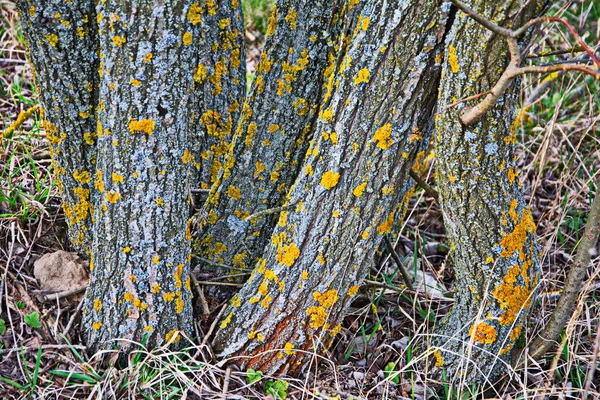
(405, 275)
(426, 187)
(564, 308)
(469, 116)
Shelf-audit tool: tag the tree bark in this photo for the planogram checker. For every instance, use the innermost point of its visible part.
(140, 284)
(272, 135)
(220, 88)
(488, 223)
(377, 104)
(63, 46)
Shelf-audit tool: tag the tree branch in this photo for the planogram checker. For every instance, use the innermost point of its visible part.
(564, 308)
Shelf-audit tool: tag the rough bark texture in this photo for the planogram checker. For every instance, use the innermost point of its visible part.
(489, 225)
(63, 46)
(140, 285)
(272, 134)
(220, 78)
(378, 101)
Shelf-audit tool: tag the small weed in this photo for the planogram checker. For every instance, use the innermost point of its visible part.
(33, 320)
(253, 376)
(277, 389)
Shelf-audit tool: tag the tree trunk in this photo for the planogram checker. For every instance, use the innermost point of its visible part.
(377, 104)
(140, 287)
(489, 225)
(220, 87)
(63, 46)
(272, 135)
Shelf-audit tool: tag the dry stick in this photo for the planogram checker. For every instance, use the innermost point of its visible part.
(471, 115)
(203, 302)
(55, 296)
(590, 377)
(426, 187)
(564, 308)
(392, 251)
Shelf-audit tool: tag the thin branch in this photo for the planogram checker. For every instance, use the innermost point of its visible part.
(564, 308)
(23, 116)
(405, 275)
(426, 187)
(471, 115)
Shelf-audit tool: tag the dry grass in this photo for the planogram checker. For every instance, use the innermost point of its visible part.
(559, 152)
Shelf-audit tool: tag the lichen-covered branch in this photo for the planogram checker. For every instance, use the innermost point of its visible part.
(272, 134)
(63, 46)
(564, 308)
(489, 225)
(140, 284)
(378, 103)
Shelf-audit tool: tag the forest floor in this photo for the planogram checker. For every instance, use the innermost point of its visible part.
(375, 356)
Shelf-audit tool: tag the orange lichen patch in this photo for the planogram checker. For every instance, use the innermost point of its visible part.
(452, 59)
(291, 19)
(234, 192)
(97, 304)
(187, 38)
(266, 301)
(118, 41)
(226, 321)
(362, 76)
(140, 305)
(512, 175)
(200, 73)
(382, 137)
(327, 298)
(235, 301)
(327, 115)
(484, 333)
(272, 23)
(128, 297)
(386, 226)
(52, 39)
(96, 325)
(173, 335)
(177, 275)
(288, 254)
(273, 128)
(156, 260)
(179, 304)
(514, 334)
(143, 125)
(194, 14)
(388, 189)
(515, 240)
(155, 288)
(215, 125)
(318, 316)
(352, 290)
(186, 157)
(112, 197)
(116, 177)
(359, 190)
(439, 360)
(511, 296)
(304, 275)
(330, 179)
(168, 296)
(82, 177)
(148, 328)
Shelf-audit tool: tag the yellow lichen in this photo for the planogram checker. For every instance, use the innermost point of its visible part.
(234, 192)
(226, 321)
(330, 179)
(97, 304)
(382, 137)
(194, 14)
(484, 333)
(118, 41)
(143, 125)
(96, 325)
(362, 76)
(187, 38)
(288, 254)
(359, 190)
(452, 59)
(112, 197)
(173, 335)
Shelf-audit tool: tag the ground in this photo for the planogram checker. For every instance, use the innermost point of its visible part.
(376, 355)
